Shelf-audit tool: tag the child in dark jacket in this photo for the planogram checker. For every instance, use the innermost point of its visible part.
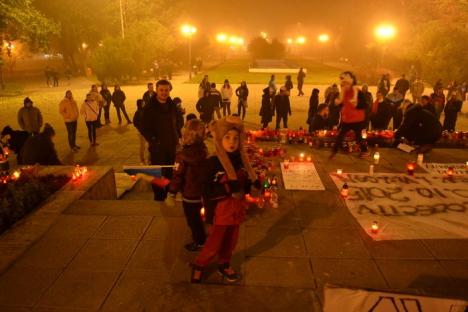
(229, 175)
(189, 178)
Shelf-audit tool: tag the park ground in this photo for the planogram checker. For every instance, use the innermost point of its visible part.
(128, 255)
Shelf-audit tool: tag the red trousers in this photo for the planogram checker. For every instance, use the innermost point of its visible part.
(221, 241)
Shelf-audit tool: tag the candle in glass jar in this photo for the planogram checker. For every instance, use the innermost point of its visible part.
(301, 157)
(375, 227)
(309, 159)
(410, 168)
(376, 157)
(450, 172)
(339, 171)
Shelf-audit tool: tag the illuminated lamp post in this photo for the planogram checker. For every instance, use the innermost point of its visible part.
(188, 31)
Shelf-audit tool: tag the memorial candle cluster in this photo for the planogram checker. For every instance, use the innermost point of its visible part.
(79, 172)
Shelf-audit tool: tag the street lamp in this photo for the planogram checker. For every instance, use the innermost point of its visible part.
(188, 31)
(263, 34)
(289, 41)
(221, 37)
(385, 32)
(323, 38)
(301, 40)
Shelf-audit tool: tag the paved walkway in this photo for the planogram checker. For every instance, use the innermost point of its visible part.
(127, 255)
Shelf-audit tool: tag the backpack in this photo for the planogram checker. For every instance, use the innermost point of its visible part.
(361, 101)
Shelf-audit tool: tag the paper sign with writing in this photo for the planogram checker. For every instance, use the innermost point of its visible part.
(301, 176)
(439, 168)
(353, 300)
(423, 206)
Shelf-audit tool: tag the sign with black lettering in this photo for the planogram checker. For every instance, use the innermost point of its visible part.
(358, 300)
(424, 206)
(439, 168)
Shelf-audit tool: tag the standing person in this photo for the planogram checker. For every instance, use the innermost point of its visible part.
(48, 75)
(180, 115)
(159, 127)
(417, 90)
(242, 93)
(395, 99)
(30, 117)
(352, 118)
(15, 140)
(451, 110)
(439, 85)
(335, 110)
(412, 74)
(205, 108)
(90, 111)
(380, 113)
(320, 120)
(40, 149)
(226, 95)
(204, 86)
(55, 76)
(369, 100)
(402, 85)
(215, 98)
(149, 94)
(107, 96)
(289, 84)
(272, 84)
(69, 111)
(438, 100)
(229, 176)
(189, 178)
(313, 104)
(137, 122)
(282, 108)
(118, 98)
(266, 110)
(331, 93)
(384, 85)
(300, 81)
(100, 102)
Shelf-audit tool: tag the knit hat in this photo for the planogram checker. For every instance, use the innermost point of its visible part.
(218, 129)
(193, 132)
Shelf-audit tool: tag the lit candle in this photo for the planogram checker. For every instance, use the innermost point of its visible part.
(309, 159)
(260, 151)
(16, 175)
(376, 157)
(84, 170)
(286, 164)
(133, 177)
(364, 134)
(267, 194)
(375, 227)
(371, 170)
(450, 172)
(345, 190)
(410, 168)
(311, 143)
(301, 157)
(274, 181)
(339, 171)
(202, 212)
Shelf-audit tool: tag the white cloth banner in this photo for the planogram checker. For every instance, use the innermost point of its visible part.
(301, 176)
(423, 206)
(357, 300)
(439, 168)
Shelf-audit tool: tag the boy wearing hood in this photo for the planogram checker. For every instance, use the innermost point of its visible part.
(30, 117)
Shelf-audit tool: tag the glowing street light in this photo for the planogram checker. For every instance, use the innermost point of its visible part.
(221, 37)
(323, 38)
(188, 31)
(84, 45)
(385, 32)
(300, 40)
(264, 35)
(289, 41)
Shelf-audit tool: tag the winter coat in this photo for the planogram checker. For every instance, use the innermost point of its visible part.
(419, 125)
(221, 207)
(318, 123)
(451, 110)
(159, 123)
(380, 115)
(384, 86)
(300, 76)
(16, 143)
(147, 96)
(30, 119)
(205, 108)
(313, 105)
(215, 98)
(98, 98)
(39, 149)
(189, 175)
(266, 110)
(138, 119)
(118, 98)
(226, 94)
(90, 110)
(107, 96)
(281, 105)
(242, 93)
(289, 85)
(69, 110)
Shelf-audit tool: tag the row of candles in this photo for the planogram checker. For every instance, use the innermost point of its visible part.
(79, 172)
(5, 177)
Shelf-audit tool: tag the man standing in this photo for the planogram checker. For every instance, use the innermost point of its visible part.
(30, 117)
(300, 81)
(215, 99)
(149, 94)
(107, 96)
(395, 99)
(417, 90)
(402, 85)
(282, 107)
(69, 111)
(118, 98)
(159, 127)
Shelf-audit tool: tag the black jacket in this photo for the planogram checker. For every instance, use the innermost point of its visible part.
(289, 85)
(159, 123)
(147, 96)
(381, 118)
(266, 111)
(118, 97)
(313, 105)
(319, 123)
(138, 119)
(282, 106)
(242, 93)
(39, 149)
(419, 125)
(107, 96)
(402, 85)
(205, 108)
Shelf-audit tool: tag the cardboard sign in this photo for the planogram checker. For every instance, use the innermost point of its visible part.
(357, 300)
(438, 168)
(423, 206)
(301, 176)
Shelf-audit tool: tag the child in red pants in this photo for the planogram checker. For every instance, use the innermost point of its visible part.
(229, 176)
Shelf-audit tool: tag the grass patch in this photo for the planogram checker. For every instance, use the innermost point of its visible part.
(238, 70)
(11, 89)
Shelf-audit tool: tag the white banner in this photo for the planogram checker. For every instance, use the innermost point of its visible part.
(423, 206)
(301, 176)
(438, 168)
(357, 300)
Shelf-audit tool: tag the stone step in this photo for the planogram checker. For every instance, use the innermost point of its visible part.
(124, 208)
